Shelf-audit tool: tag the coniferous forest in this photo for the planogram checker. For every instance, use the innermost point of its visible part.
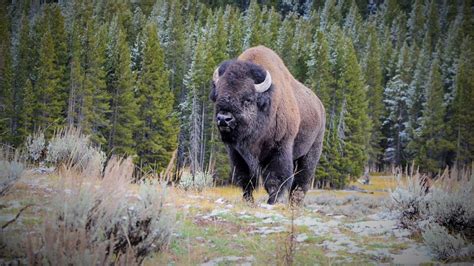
(396, 77)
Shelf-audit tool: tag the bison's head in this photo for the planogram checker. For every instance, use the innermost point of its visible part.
(242, 93)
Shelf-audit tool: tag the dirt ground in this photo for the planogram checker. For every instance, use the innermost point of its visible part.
(215, 227)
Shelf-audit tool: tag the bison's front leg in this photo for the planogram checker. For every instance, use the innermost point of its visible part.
(241, 175)
(278, 176)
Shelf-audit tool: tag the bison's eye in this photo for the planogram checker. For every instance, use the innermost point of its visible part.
(247, 102)
(213, 93)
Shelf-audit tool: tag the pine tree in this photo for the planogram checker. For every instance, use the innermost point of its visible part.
(374, 78)
(96, 98)
(22, 123)
(432, 24)
(353, 26)
(330, 14)
(175, 47)
(76, 79)
(123, 116)
(300, 50)
(319, 69)
(285, 37)
(356, 122)
(432, 142)
(345, 145)
(6, 79)
(58, 32)
(156, 134)
(449, 55)
(462, 123)
(48, 106)
(416, 23)
(390, 9)
(270, 28)
(395, 99)
(252, 25)
(96, 120)
(416, 98)
(236, 34)
(321, 81)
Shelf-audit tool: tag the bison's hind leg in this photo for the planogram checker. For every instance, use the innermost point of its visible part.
(304, 172)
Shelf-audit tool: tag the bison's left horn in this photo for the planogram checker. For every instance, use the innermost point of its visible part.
(265, 85)
(215, 76)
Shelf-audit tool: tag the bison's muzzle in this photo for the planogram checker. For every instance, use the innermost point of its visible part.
(225, 121)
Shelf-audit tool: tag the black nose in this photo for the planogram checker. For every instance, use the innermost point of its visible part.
(224, 119)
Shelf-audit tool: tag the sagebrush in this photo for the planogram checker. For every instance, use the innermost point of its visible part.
(442, 210)
(100, 221)
(71, 147)
(11, 168)
(198, 181)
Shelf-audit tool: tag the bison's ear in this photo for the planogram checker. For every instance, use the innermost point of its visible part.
(263, 101)
(257, 73)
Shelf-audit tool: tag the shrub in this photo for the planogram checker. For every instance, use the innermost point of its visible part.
(442, 211)
(409, 200)
(11, 168)
(451, 203)
(100, 221)
(72, 148)
(199, 181)
(35, 145)
(444, 245)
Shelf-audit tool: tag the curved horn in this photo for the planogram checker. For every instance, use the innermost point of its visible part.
(265, 85)
(215, 76)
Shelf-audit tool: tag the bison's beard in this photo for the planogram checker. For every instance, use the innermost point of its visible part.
(244, 128)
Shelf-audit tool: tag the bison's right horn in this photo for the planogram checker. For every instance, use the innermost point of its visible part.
(265, 85)
(215, 76)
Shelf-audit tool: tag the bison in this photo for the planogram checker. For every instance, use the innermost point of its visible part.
(270, 123)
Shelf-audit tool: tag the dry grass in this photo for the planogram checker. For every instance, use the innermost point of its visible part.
(87, 220)
(12, 167)
(442, 211)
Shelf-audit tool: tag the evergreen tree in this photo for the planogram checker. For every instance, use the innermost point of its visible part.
(390, 10)
(76, 92)
(156, 133)
(319, 74)
(416, 98)
(6, 79)
(374, 78)
(346, 141)
(462, 123)
(58, 32)
(49, 103)
(395, 99)
(353, 26)
(432, 24)
(252, 25)
(23, 90)
(320, 79)
(416, 23)
(174, 47)
(270, 28)
(236, 34)
(123, 107)
(356, 122)
(284, 41)
(432, 142)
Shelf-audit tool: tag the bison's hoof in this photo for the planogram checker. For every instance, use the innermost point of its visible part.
(274, 199)
(248, 198)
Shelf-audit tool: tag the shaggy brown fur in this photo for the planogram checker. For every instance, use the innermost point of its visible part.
(279, 131)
